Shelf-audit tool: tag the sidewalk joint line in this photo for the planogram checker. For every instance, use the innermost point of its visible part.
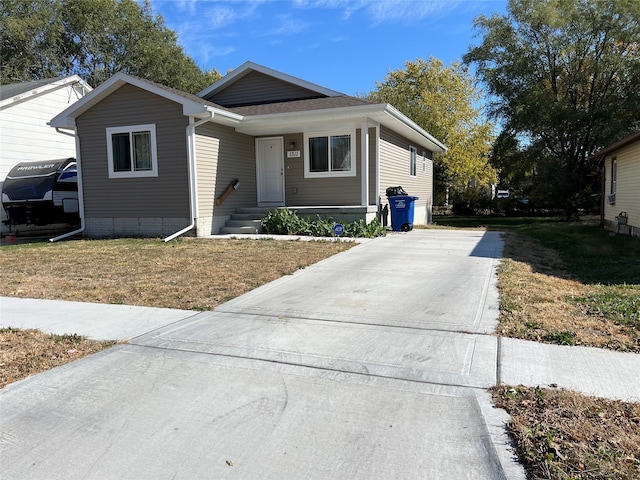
(350, 322)
(327, 369)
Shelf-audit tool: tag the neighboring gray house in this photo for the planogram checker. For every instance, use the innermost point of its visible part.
(25, 109)
(155, 161)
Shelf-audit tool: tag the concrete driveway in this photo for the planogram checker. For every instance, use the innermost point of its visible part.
(372, 364)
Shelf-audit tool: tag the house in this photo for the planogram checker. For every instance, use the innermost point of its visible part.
(25, 110)
(155, 161)
(621, 185)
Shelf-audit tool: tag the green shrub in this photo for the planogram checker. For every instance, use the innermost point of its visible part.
(283, 221)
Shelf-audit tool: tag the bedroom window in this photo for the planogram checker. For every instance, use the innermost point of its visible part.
(413, 159)
(131, 151)
(329, 155)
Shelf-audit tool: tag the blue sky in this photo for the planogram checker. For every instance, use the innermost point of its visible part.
(345, 45)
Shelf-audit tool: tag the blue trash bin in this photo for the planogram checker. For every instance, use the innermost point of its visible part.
(402, 212)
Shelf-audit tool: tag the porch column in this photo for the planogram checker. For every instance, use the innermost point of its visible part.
(364, 162)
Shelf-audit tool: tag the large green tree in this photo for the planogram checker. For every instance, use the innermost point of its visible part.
(443, 99)
(565, 79)
(94, 39)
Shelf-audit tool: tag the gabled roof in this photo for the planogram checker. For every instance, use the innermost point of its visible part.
(249, 67)
(191, 104)
(19, 92)
(268, 118)
(616, 146)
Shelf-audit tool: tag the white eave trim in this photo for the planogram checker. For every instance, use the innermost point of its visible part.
(42, 89)
(66, 119)
(222, 116)
(384, 114)
(247, 67)
(391, 110)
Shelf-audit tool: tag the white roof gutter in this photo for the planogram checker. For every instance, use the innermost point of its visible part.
(394, 112)
(291, 122)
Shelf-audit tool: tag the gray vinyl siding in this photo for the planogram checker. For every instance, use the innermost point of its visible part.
(394, 168)
(318, 191)
(223, 155)
(166, 195)
(256, 87)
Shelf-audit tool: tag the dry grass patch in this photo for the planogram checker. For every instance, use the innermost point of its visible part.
(192, 274)
(26, 352)
(564, 435)
(541, 302)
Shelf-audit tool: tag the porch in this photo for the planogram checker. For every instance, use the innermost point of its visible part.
(248, 220)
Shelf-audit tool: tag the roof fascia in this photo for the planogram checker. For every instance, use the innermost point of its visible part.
(43, 89)
(384, 114)
(394, 112)
(614, 147)
(222, 116)
(246, 67)
(189, 107)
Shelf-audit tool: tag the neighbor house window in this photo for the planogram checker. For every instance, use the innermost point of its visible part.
(614, 174)
(424, 161)
(329, 155)
(413, 158)
(131, 151)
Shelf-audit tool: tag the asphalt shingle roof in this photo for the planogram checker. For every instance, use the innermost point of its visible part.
(14, 89)
(300, 105)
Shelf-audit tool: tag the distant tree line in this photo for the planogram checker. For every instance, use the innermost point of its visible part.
(445, 101)
(564, 79)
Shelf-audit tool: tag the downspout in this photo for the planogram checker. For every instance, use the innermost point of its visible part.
(364, 168)
(377, 153)
(191, 159)
(80, 191)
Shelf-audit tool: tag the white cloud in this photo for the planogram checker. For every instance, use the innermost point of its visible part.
(399, 10)
(286, 25)
(381, 11)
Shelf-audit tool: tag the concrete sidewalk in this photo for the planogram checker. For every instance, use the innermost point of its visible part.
(373, 363)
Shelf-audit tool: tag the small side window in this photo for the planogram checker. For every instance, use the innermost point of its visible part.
(614, 174)
(413, 159)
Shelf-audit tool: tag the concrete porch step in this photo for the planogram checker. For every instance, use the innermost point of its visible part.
(247, 230)
(246, 216)
(253, 210)
(243, 223)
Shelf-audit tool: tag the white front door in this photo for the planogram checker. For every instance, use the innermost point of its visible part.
(270, 171)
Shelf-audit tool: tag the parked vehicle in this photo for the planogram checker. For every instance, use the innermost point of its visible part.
(42, 193)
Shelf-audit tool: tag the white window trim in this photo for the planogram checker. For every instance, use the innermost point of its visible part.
(307, 161)
(413, 161)
(154, 154)
(424, 161)
(614, 175)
